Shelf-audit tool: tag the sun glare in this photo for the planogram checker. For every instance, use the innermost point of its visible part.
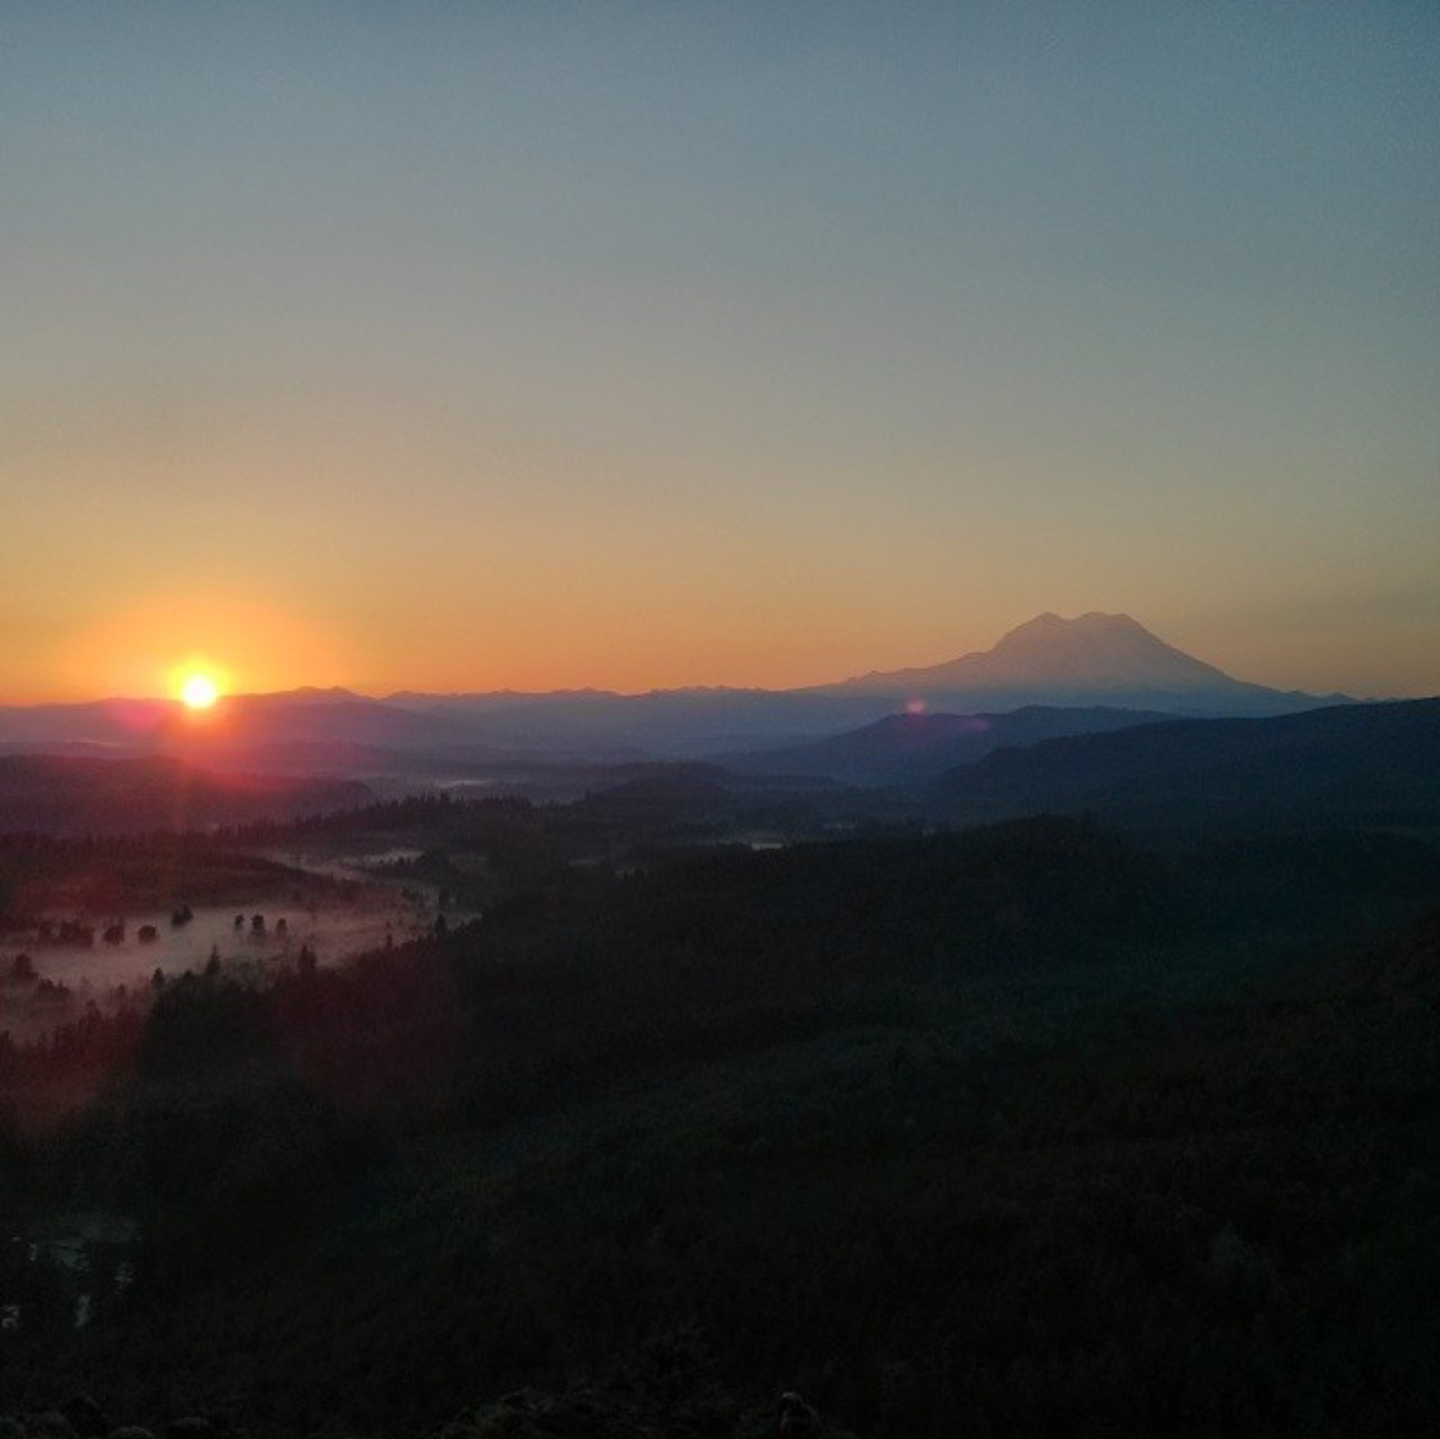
(199, 691)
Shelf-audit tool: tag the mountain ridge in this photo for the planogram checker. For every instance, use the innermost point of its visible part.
(1093, 653)
(1095, 660)
(912, 747)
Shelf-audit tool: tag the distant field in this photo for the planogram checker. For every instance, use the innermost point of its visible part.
(62, 899)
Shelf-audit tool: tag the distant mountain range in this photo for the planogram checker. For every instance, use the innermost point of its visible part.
(291, 717)
(1093, 662)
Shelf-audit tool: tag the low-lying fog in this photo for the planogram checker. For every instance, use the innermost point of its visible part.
(351, 911)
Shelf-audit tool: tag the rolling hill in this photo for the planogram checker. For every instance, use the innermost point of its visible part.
(907, 748)
(1350, 764)
(55, 794)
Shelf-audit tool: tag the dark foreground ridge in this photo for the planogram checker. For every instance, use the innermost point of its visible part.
(616, 1411)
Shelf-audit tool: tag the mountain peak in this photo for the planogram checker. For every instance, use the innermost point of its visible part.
(1052, 659)
(1093, 650)
(1092, 620)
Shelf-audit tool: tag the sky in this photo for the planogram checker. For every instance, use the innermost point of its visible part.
(469, 346)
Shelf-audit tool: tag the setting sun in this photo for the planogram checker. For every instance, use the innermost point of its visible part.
(199, 691)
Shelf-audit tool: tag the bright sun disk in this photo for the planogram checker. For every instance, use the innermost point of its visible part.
(199, 691)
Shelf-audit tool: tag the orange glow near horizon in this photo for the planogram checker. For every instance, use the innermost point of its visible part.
(161, 645)
(439, 641)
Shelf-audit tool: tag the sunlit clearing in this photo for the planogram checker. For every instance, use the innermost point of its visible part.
(199, 691)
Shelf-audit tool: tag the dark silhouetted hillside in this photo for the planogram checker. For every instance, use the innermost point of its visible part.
(1352, 764)
(904, 748)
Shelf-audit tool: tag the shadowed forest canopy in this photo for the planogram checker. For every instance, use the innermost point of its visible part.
(1006, 1127)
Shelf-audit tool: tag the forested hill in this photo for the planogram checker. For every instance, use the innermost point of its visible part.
(912, 747)
(1352, 764)
(69, 795)
(1023, 1132)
